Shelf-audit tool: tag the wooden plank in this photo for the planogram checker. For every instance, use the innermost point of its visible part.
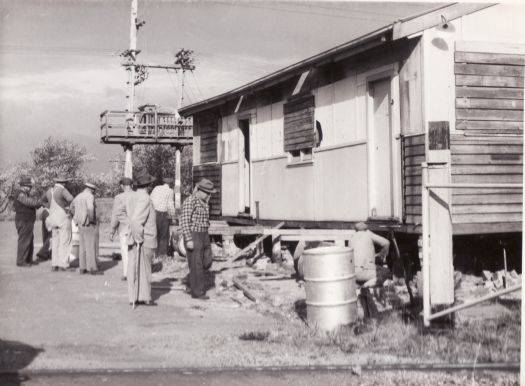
(298, 146)
(304, 119)
(412, 219)
(415, 151)
(487, 169)
(489, 58)
(298, 129)
(488, 69)
(485, 149)
(494, 104)
(413, 170)
(415, 140)
(413, 200)
(478, 191)
(489, 81)
(414, 160)
(413, 180)
(299, 103)
(413, 190)
(489, 125)
(487, 208)
(299, 134)
(493, 198)
(489, 92)
(486, 217)
(299, 115)
(304, 138)
(413, 210)
(490, 47)
(498, 227)
(488, 178)
(489, 115)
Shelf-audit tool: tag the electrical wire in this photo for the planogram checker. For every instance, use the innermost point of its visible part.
(251, 5)
(197, 85)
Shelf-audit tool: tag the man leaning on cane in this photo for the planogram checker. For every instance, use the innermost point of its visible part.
(195, 222)
(142, 241)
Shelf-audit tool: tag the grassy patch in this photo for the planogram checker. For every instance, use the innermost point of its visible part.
(255, 335)
(485, 340)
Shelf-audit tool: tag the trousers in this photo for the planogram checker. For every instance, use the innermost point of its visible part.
(87, 238)
(163, 232)
(199, 259)
(123, 238)
(61, 245)
(24, 251)
(139, 273)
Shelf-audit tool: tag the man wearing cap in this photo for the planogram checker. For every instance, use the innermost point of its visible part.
(142, 241)
(25, 217)
(195, 221)
(84, 213)
(59, 221)
(364, 242)
(119, 221)
(162, 199)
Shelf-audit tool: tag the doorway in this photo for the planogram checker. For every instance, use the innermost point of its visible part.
(382, 204)
(245, 165)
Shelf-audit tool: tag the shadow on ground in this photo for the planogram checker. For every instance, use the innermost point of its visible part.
(15, 356)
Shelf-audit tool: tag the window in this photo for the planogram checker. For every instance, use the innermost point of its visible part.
(299, 128)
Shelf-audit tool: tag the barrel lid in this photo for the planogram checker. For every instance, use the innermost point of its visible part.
(328, 251)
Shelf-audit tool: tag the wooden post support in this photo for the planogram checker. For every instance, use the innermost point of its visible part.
(425, 271)
(128, 166)
(276, 249)
(177, 179)
(244, 289)
(253, 244)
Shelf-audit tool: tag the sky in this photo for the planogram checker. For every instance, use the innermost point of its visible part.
(60, 65)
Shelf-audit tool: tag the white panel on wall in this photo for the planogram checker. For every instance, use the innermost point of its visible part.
(324, 113)
(499, 23)
(263, 136)
(283, 193)
(230, 189)
(345, 115)
(277, 129)
(361, 111)
(229, 137)
(341, 196)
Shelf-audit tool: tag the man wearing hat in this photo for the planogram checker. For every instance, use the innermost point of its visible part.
(25, 217)
(59, 198)
(195, 221)
(119, 221)
(162, 199)
(364, 242)
(84, 213)
(142, 241)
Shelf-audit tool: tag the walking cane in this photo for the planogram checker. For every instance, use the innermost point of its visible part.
(137, 277)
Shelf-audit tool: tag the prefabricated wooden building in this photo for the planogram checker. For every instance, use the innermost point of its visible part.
(340, 137)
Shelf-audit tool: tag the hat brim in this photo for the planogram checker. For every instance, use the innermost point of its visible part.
(90, 186)
(144, 183)
(207, 190)
(62, 179)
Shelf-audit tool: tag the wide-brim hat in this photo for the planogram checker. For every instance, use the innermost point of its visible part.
(206, 186)
(143, 180)
(62, 178)
(25, 181)
(168, 180)
(90, 185)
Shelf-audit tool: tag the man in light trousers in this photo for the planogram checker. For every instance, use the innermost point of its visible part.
(119, 221)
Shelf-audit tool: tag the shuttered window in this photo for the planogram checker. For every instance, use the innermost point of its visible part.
(299, 123)
(208, 125)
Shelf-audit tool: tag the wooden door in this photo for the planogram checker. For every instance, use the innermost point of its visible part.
(382, 148)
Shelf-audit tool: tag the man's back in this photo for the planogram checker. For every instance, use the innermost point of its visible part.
(84, 208)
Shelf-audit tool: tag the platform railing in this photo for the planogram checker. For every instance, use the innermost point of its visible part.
(140, 124)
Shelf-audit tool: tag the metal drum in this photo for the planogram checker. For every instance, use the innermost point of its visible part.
(329, 277)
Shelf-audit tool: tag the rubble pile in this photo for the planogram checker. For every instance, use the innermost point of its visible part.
(472, 287)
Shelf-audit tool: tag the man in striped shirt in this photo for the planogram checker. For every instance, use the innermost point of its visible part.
(195, 221)
(162, 199)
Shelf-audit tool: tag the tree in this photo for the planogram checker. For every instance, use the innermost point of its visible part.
(159, 161)
(54, 157)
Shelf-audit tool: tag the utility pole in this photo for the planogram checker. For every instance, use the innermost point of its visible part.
(131, 55)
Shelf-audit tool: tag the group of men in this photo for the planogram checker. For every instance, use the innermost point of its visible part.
(140, 219)
(60, 207)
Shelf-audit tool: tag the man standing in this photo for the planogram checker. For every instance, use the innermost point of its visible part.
(119, 221)
(195, 221)
(84, 214)
(162, 199)
(364, 242)
(142, 241)
(25, 217)
(59, 221)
